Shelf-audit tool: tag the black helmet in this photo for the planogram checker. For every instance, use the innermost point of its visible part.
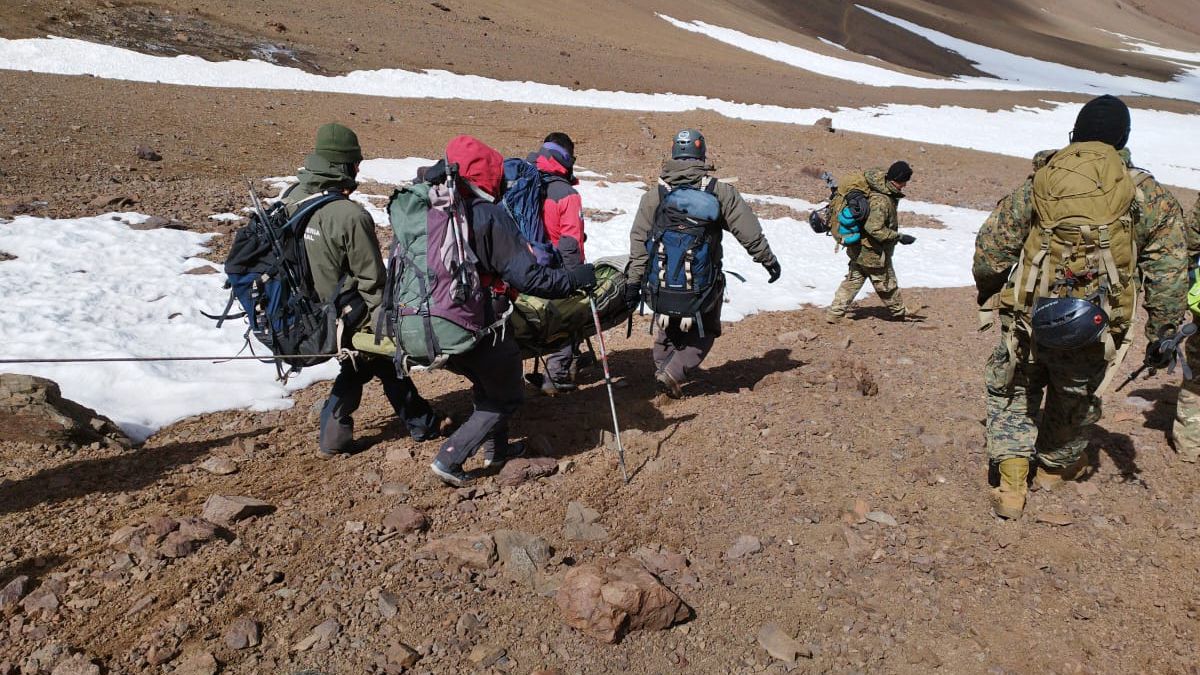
(689, 144)
(817, 222)
(1067, 323)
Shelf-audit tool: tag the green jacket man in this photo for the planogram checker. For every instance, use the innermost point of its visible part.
(345, 262)
(871, 255)
(1018, 376)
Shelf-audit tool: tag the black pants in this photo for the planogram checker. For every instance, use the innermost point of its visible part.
(337, 421)
(494, 370)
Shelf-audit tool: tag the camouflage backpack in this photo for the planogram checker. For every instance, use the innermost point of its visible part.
(1082, 242)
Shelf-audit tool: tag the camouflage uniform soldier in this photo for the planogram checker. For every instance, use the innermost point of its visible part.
(1019, 377)
(1187, 409)
(871, 256)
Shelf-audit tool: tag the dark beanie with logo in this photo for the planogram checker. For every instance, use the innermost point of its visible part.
(338, 144)
(1104, 119)
(899, 172)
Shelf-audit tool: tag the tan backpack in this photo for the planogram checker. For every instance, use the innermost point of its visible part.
(846, 185)
(1082, 242)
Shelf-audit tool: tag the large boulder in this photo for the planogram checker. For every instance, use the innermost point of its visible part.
(33, 410)
(608, 601)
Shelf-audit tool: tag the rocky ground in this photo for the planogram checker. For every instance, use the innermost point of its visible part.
(817, 503)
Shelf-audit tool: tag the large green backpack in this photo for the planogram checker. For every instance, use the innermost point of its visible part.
(433, 304)
(1081, 244)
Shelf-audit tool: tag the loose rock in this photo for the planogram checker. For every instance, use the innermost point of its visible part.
(244, 632)
(781, 645)
(225, 510)
(523, 469)
(476, 551)
(219, 466)
(405, 519)
(580, 524)
(744, 546)
(608, 601)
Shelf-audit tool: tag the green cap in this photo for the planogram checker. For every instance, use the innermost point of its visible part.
(338, 144)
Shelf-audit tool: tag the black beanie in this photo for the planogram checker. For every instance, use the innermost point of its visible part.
(1104, 119)
(899, 172)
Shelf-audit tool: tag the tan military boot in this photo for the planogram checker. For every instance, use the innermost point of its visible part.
(1049, 479)
(1008, 500)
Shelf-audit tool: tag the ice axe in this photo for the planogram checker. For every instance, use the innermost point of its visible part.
(612, 401)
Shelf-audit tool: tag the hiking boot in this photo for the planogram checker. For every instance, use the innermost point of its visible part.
(552, 388)
(326, 453)
(666, 384)
(450, 475)
(441, 427)
(499, 457)
(834, 319)
(1008, 500)
(1049, 478)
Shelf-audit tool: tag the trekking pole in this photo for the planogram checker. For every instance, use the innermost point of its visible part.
(612, 401)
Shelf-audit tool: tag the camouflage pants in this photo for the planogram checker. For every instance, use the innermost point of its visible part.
(882, 278)
(1187, 409)
(1066, 380)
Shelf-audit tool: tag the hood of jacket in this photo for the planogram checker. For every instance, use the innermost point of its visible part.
(477, 162)
(877, 179)
(320, 174)
(685, 171)
(550, 164)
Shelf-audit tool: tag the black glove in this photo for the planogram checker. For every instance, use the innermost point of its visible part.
(583, 277)
(1155, 356)
(774, 270)
(633, 295)
(906, 239)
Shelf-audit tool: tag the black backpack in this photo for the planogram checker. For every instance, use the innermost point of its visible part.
(268, 275)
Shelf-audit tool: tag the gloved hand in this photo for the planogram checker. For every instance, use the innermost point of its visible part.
(1155, 357)
(906, 239)
(583, 277)
(774, 270)
(633, 295)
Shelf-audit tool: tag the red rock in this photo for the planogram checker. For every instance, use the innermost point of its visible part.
(477, 551)
(517, 471)
(405, 519)
(607, 602)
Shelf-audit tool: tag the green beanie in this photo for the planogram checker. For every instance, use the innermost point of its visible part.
(338, 144)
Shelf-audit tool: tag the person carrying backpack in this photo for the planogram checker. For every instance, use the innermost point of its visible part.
(562, 213)
(870, 239)
(1064, 260)
(1186, 430)
(506, 266)
(675, 257)
(345, 263)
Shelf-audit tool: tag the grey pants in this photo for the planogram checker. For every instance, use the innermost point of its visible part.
(679, 352)
(558, 364)
(494, 370)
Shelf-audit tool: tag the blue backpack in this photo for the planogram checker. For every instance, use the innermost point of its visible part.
(268, 276)
(523, 198)
(684, 274)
